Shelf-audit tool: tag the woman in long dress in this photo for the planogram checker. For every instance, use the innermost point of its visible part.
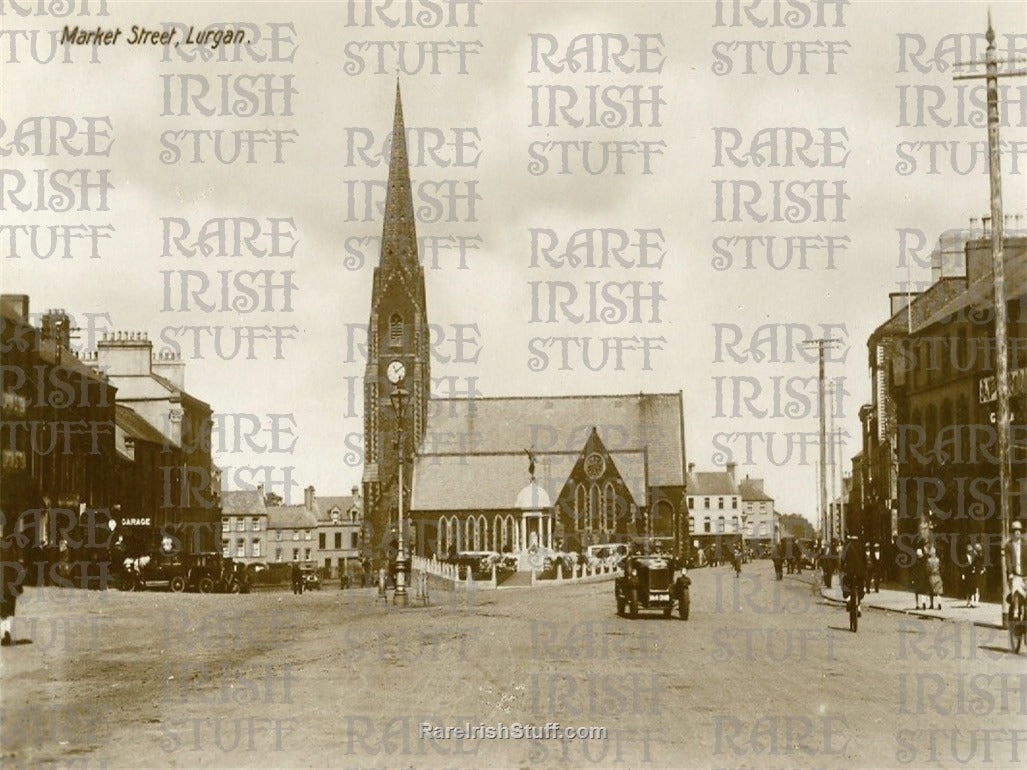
(934, 586)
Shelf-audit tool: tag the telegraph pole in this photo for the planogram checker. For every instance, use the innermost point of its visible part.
(998, 270)
(822, 344)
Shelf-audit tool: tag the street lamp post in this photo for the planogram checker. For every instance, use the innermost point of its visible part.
(398, 398)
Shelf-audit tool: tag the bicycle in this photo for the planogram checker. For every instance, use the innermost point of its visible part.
(1017, 614)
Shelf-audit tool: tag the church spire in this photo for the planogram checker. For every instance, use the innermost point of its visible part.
(399, 237)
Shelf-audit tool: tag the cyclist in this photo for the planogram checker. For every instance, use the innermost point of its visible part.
(1016, 568)
(854, 570)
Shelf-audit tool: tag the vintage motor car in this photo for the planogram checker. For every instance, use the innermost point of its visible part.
(205, 572)
(649, 583)
(156, 570)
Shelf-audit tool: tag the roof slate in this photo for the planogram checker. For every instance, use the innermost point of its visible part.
(752, 490)
(555, 425)
(291, 517)
(712, 483)
(135, 426)
(245, 502)
(493, 481)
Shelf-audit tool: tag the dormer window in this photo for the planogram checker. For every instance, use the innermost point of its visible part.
(396, 330)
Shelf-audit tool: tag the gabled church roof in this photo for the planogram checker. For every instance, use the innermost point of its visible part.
(557, 424)
(492, 481)
(472, 455)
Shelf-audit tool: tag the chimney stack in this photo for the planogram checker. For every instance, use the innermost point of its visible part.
(730, 468)
(17, 304)
(308, 498)
(691, 467)
(260, 491)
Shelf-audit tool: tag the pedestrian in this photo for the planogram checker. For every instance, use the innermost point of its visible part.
(297, 579)
(970, 574)
(1016, 562)
(978, 572)
(934, 586)
(919, 575)
(12, 576)
(779, 559)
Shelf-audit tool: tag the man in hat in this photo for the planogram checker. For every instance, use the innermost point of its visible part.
(1016, 564)
(853, 568)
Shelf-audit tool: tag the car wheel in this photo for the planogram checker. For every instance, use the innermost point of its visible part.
(205, 586)
(177, 584)
(128, 583)
(633, 605)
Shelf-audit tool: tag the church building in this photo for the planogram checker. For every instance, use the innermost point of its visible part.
(516, 474)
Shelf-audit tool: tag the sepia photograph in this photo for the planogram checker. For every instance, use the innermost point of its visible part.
(430, 384)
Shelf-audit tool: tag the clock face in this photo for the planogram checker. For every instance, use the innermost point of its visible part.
(396, 372)
(595, 465)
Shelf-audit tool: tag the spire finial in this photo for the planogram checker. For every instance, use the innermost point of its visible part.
(990, 34)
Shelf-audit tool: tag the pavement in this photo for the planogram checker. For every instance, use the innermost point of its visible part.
(984, 615)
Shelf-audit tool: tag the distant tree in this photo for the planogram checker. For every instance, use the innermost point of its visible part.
(272, 499)
(795, 526)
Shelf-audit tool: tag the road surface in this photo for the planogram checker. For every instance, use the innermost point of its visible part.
(763, 675)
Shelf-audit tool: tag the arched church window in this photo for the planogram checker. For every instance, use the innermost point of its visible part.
(594, 510)
(443, 548)
(483, 527)
(468, 532)
(396, 330)
(580, 504)
(609, 507)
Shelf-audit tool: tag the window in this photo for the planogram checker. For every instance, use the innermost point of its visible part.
(706, 503)
(720, 524)
(278, 534)
(321, 540)
(226, 524)
(295, 554)
(720, 503)
(278, 554)
(240, 547)
(706, 524)
(307, 535)
(691, 502)
(226, 547)
(306, 556)
(734, 502)
(396, 330)
(734, 523)
(352, 539)
(296, 535)
(328, 563)
(338, 540)
(256, 547)
(255, 524)
(240, 524)
(691, 524)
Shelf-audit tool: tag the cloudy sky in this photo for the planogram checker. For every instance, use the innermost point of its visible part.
(494, 95)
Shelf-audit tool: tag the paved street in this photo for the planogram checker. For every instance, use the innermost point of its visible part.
(763, 675)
